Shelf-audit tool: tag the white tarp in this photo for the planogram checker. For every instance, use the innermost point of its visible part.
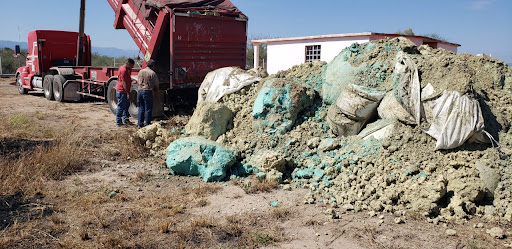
(222, 82)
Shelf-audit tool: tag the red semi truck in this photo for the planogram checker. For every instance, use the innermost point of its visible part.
(187, 39)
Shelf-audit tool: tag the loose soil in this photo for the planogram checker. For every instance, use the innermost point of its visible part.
(131, 202)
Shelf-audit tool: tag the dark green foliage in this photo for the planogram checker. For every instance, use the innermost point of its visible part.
(9, 62)
(436, 36)
(405, 32)
(250, 52)
(106, 61)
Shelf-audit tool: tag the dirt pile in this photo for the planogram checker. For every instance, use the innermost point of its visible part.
(400, 171)
(157, 136)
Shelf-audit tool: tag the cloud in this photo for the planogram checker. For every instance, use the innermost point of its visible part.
(477, 5)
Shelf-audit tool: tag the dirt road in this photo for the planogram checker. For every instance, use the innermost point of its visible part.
(123, 201)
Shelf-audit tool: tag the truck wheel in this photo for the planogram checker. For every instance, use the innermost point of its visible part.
(58, 87)
(111, 96)
(48, 87)
(133, 109)
(19, 83)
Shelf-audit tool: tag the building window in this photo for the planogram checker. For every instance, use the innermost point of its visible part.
(313, 53)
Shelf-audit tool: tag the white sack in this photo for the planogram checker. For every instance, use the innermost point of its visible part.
(455, 119)
(390, 108)
(380, 129)
(222, 82)
(340, 124)
(359, 103)
(408, 91)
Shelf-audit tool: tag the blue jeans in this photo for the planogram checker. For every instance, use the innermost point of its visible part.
(145, 103)
(122, 108)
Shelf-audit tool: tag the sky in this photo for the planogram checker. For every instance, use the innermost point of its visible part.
(480, 26)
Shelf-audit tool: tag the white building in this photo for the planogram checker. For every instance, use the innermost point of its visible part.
(284, 53)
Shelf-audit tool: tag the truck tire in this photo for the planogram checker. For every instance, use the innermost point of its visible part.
(48, 86)
(111, 96)
(58, 87)
(21, 90)
(133, 109)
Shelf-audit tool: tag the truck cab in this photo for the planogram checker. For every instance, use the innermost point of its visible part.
(48, 49)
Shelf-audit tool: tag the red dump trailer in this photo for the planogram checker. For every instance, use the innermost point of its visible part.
(187, 39)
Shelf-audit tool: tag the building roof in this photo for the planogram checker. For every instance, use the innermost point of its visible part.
(333, 36)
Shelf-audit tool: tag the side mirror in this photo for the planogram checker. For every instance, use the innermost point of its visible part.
(17, 49)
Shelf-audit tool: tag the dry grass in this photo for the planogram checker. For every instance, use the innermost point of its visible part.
(143, 176)
(25, 125)
(281, 213)
(254, 185)
(78, 215)
(29, 172)
(116, 145)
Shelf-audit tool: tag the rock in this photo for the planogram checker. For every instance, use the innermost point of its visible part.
(451, 232)
(489, 176)
(331, 214)
(348, 207)
(261, 176)
(468, 188)
(412, 169)
(275, 204)
(376, 205)
(508, 214)
(304, 173)
(200, 157)
(275, 175)
(209, 120)
(268, 160)
(372, 213)
(309, 199)
(327, 144)
(278, 103)
(392, 148)
(313, 142)
(287, 187)
(399, 220)
(479, 225)
(496, 232)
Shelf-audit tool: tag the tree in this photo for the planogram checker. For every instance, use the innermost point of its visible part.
(405, 32)
(436, 36)
(250, 56)
(250, 52)
(10, 63)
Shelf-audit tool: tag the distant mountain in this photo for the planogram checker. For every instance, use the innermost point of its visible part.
(11, 44)
(111, 52)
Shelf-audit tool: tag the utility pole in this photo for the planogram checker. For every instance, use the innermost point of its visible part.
(1, 65)
(79, 59)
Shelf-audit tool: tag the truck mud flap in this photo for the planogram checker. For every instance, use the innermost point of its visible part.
(70, 91)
